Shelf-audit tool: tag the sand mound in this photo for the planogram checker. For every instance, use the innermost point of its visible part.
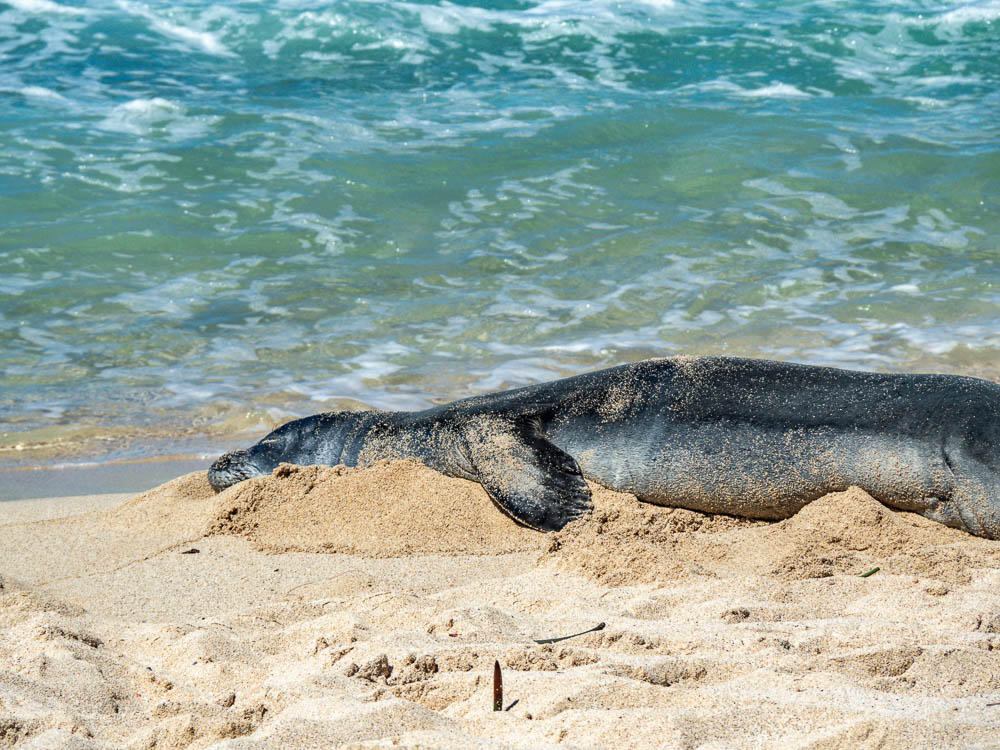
(391, 509)
(627, 542)
(843, 533)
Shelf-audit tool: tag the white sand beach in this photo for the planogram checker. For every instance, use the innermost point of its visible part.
(332, 607)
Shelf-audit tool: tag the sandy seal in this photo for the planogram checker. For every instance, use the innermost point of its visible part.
(746, 437)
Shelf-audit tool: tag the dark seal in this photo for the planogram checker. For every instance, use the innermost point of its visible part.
(746, 437)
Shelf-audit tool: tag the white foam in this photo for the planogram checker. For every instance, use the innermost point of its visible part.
(450, 19)
(40, 92)
(201, 40)
(927, 102)
(987, 11)
(118, 176)
(364, 380)
(776, 91)
(139, 115)
(516, 371)
(822, 204)
(144, 117)
(947, 80)
(45, 6)
(174, 298)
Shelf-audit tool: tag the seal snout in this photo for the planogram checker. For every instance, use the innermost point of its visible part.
(231, 468)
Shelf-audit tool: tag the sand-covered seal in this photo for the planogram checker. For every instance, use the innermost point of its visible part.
(746, 437)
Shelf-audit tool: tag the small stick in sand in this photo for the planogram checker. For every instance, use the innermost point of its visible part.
(871, 572)
(497, 687)
(599, 626)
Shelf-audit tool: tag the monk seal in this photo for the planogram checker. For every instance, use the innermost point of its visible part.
(746, 437)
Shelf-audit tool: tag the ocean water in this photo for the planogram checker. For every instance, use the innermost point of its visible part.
(215, 216)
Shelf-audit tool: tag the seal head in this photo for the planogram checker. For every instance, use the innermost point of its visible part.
(327, 439)
(231, 468)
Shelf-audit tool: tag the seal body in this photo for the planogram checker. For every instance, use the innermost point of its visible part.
(747, 437)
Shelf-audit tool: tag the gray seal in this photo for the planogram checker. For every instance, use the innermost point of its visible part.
(746, 437)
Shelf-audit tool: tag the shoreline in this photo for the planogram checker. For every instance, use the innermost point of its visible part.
(30, 510)
(118, 477)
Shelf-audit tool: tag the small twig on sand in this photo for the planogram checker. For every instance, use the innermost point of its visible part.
(497, 687)
(599, 626)
(871, 572)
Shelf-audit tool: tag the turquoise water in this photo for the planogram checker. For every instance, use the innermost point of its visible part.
(213, 217)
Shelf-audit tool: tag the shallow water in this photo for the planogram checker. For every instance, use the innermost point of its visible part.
(219, 216)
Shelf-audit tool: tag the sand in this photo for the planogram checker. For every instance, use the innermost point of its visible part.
(333, 607)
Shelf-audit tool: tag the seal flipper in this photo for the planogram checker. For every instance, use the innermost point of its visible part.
(533, 480)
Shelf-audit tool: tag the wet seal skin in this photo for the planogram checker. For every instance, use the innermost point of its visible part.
(747, 437)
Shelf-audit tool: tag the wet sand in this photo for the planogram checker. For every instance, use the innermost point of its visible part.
(332, 607)
(99, 478)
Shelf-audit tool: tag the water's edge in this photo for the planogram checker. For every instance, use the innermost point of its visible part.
(68, 480)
